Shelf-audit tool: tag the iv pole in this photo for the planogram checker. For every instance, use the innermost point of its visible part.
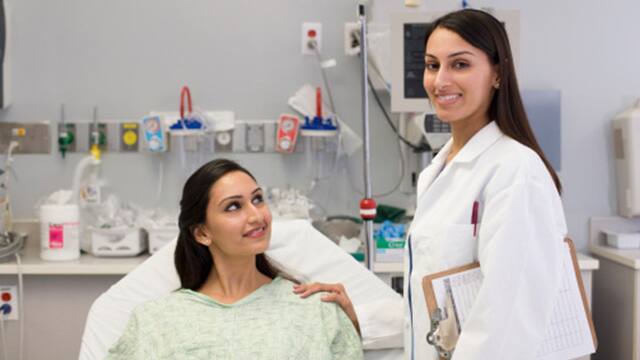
(367, 205)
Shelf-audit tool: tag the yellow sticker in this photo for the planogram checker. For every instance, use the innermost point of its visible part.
(130, 137)
(19, 132)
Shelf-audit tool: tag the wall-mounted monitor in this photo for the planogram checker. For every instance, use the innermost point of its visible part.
(407, 56)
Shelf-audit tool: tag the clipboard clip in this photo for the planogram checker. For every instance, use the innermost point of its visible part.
(444, 331)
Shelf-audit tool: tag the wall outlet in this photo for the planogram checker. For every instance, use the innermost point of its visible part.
(9, 302)
(311, 37)
(351, 38)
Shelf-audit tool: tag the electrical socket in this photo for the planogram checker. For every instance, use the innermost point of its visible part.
(311, 31)
(351, 38)
(11, 294)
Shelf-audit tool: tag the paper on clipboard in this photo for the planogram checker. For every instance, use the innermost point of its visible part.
(571, 333)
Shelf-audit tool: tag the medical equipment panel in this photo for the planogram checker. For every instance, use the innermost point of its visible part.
(32, 137)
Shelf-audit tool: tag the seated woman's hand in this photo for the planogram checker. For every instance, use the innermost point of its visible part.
(336, 294)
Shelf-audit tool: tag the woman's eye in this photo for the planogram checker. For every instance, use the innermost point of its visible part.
(232, 207)
(460, 65)
(258, 199)
(431, 66)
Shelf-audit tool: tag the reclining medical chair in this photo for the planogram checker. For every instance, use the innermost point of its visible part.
(296, 248)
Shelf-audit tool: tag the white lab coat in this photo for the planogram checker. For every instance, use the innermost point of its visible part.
(520, 235)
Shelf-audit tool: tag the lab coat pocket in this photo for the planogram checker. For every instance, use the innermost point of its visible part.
(459, 245)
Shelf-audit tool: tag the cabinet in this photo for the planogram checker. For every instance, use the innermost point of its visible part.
(616, 297)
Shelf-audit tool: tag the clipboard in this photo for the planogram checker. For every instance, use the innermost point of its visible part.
(470, 275)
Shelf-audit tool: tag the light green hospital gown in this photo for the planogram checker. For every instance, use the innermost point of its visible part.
(270, 323)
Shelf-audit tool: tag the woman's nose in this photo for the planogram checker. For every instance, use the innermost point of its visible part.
(254, 214)
(442, 78)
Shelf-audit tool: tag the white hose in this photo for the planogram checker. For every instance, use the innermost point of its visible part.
(78, 173)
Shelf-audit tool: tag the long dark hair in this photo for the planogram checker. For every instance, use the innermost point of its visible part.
(193, 260)
(487, 33)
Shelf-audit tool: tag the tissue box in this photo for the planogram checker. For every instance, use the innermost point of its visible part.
(620, 240)
(159, 237)
(119, 241)
(389, 249)
(389, 238)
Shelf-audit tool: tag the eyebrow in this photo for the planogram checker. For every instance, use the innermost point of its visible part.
(464, 52)
(258, 189)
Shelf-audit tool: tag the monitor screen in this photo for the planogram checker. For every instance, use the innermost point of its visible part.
(414, 35)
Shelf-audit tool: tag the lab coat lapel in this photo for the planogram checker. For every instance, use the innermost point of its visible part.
(430, 173)
(480, 142)
(430, 184)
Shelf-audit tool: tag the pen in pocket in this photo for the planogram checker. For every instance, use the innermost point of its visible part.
(474, 218)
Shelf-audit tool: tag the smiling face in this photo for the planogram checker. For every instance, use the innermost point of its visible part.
(459, 79)
(238, 221)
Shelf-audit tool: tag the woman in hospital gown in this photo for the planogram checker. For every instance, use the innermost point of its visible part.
(489, 195)
(233, 303)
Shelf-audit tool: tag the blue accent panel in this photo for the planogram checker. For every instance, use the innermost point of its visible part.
(543, 108)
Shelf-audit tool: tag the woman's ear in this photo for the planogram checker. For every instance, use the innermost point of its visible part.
(201, 235)
(496, 77)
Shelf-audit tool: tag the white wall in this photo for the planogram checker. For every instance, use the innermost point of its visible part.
(130, 57)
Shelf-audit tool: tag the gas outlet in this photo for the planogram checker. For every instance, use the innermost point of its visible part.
(9, 302)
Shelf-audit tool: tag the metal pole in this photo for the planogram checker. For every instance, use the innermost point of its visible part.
(368, 214)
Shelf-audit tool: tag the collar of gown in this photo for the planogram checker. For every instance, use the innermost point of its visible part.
(478, 143)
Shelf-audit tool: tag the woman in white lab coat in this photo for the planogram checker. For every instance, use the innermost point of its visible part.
(492, 164)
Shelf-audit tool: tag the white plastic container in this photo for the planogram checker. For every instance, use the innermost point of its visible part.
(161, 236)
(120, 241)
(59, 232)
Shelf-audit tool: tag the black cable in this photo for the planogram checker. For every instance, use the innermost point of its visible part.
(388, 118)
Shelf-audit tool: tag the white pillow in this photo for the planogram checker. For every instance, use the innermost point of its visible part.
(296, 248)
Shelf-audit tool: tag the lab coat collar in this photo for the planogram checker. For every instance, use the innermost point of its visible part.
(481, 141)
